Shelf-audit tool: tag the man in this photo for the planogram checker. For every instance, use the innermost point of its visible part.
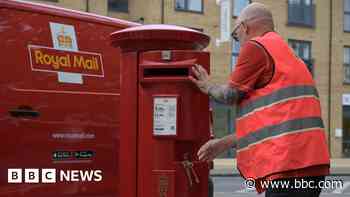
(279, 131)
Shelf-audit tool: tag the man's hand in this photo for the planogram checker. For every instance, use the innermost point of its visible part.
(202, 80)
(210, 150)
(221, 93)
(213, 148)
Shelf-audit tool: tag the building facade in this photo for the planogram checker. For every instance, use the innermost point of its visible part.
(317, 30)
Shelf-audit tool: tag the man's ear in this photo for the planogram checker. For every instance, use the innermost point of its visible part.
(245, 28)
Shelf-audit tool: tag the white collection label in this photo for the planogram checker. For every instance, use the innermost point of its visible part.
(164, 116)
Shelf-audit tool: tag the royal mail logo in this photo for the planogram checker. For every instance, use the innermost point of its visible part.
(53, 60)
(34, 175)
(64, 57)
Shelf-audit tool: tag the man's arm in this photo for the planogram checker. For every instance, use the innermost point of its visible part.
(214, 147)
(221, 93)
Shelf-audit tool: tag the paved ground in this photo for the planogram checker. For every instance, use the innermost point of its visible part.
(228, 167)
(234, 186)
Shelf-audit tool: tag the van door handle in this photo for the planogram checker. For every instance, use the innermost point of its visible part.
(24, 111)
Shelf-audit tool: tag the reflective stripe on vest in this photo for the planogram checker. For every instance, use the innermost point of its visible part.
(279, 96)
(288, 127)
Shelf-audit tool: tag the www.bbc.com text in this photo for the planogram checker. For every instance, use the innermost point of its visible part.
(295, 184)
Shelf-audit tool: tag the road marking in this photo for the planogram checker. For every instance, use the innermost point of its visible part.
(220, 194)
(341, 189)
(245, 190)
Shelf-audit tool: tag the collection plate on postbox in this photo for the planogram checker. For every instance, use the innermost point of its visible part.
(165, 111)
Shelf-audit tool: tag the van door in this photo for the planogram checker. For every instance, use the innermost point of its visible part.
(59, 107)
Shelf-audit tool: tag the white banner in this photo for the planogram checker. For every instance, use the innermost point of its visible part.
(346, 99)
(225, 20)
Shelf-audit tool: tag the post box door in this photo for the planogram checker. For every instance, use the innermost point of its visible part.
(173, 124)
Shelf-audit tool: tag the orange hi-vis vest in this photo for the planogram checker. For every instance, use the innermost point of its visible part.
(279, 127)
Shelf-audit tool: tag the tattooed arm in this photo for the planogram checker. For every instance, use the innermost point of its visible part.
(223, 94)
(220, 93)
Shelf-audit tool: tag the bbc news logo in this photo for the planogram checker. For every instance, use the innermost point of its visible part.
(34, 175)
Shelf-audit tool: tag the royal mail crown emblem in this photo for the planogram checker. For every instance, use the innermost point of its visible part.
(64, 40)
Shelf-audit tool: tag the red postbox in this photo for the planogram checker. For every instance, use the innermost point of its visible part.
(158, 143)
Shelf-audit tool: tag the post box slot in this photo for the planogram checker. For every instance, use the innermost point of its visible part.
(165, 72)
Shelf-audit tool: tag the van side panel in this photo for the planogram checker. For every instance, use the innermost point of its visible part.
(59, 106)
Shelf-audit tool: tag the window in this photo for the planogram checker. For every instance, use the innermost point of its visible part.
(189, 5)
(301, 12)
(346, 131)
(238, 6)
(118, 5)
(346, 64)
(223, 124)
(347, 15)
(303, 50)
(235, 52)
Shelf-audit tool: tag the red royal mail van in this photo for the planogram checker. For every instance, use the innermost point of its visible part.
(59, 87)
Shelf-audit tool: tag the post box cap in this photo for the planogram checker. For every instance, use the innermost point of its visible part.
(159, 37)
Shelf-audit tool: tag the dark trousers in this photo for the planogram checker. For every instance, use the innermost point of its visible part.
(298, 187)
